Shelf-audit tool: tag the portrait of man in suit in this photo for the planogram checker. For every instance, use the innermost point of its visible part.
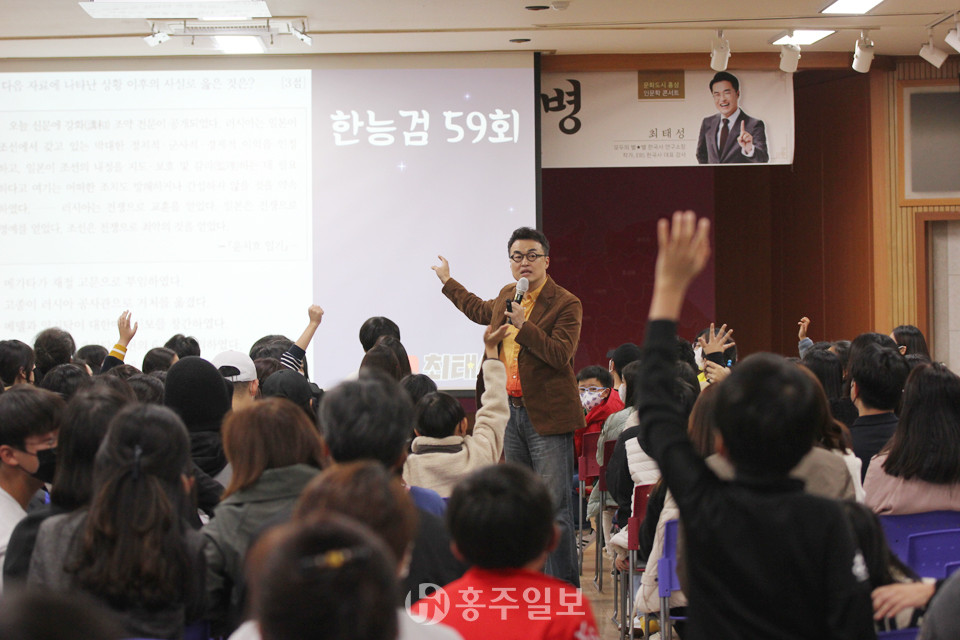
(730, 136)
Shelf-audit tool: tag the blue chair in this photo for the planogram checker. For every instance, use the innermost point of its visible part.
(929, 553)
(667, 579)
(900, 634)
(950, 567)
(899, 528)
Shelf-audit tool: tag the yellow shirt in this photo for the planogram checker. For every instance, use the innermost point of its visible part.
(510, 349)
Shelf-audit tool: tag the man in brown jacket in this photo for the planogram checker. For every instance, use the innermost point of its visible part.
(538, 354)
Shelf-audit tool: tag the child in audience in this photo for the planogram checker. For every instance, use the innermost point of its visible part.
(599, 399)
(501, 519)
(442, 453)
(764, 559)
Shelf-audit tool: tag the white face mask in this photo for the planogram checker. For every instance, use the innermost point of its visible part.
(698, 356)
(622, 390)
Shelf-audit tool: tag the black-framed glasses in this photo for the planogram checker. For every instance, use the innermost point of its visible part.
(531, 256)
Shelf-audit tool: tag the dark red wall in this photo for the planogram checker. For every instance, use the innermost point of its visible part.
(602, 229)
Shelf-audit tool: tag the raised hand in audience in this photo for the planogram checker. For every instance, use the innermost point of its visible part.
(804, 324)
(718, 342)
(714, 372)
(492, 337)
(442, 270)
(684, 246)
(891, 599)
(126, 330)
(315, 313)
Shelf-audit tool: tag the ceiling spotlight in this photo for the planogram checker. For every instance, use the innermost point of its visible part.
(953, 36)
(863, 53)
(302, 36)
(720, 53)
(789, 57)
(158, 37)
(932, 54)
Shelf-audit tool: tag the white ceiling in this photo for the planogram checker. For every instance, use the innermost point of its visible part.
(61, 28)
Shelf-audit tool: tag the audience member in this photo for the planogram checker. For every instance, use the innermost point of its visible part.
(53, 347)
(417, 385)
(502, 522)
(910, 340)
(877, 376)
(442, 453)
(367, 492)
(599, 400)
(294, 387)
(183, 345)
(274, 451)
(159, 359)
(126, 332)
(369, 419)
(123, 371)
(65, 380)
(29, 424)
(84, 424)
(148, 388)
(92, 356)
(17, 363)
(197, 392)
(919, 468)
(399, 351)
(331, 579)
(762, 523)
(828, 369)
(373, 328)
(266, 367)
(381, 358)
(620, 358)
(132, 549)
(239, 370)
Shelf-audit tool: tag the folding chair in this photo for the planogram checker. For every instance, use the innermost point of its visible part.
(587, 469)
(898, 528)
(641, 496)
(601, 539)
(667, 578)
(929, 553)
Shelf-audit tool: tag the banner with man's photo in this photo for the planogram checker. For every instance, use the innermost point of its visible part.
(666, 118)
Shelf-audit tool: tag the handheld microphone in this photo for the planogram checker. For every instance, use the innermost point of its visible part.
(522, 286)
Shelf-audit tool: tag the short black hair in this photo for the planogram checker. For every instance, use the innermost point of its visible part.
(767, 413)
(15, 356)
(27, 411)
(382, 358)
(685, 353)
(183, 345)
(366, 419)
(598, 372)
(373, 328)
(53, 346)
(631, 378)
(418, 385)
(860, 342)
(91, 355)
(880, 374)
(438, 414)
(158, 359)
(501, 516)
(65, 380)
(721, 76)
(148, 387)
(526, 233)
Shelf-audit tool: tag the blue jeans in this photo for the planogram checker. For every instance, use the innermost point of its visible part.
(551, 457)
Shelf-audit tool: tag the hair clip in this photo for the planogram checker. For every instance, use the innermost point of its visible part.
(333, 559)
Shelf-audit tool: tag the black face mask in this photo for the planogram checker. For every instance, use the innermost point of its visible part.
(47, 466)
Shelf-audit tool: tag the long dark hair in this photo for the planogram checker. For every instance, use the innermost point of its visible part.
(829, 371)
(83, 427)
(909, 336)
(926, 443)
(132, 549)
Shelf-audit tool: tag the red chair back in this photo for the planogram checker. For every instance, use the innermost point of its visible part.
(607, 452)
(641, 496)
(587, 465)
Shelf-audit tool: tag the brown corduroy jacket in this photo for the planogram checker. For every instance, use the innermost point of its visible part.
(548, 341)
